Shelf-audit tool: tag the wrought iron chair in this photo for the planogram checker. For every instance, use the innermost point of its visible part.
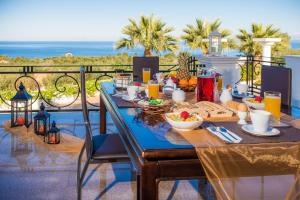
(99, 148)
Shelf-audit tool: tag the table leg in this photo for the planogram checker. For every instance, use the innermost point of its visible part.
(102, 116)
(148, 183)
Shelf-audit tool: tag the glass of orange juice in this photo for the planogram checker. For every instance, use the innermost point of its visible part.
(220, 83)
(146, 75)
(273, 104)
(153, 89)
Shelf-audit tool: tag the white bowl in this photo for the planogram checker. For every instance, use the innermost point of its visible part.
(184, 126)
(257, 106)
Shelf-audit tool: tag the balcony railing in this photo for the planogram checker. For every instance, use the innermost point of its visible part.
(58, 86)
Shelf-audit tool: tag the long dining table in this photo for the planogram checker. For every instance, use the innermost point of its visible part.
(156, 151)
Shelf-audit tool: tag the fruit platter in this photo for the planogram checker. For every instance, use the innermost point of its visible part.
(184, 121)
(188, 84)
(256, 103)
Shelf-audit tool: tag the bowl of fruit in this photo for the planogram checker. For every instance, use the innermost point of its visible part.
(256, 103)
(184, 120)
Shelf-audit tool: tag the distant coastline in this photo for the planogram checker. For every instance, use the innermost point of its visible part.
(43, 49)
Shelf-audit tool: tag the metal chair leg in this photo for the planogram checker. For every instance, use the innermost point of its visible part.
(79, 164)
(81, 178)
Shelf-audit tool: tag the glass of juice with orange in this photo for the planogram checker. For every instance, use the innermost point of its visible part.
(146, 75)
(273, 103)
(153, 89)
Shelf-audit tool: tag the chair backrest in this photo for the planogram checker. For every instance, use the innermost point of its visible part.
(277, 79)
(140, 62)
(89, 134)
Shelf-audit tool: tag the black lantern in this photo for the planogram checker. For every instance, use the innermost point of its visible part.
(53, 135)
(215, 43)
(41, 121)
(21, 108)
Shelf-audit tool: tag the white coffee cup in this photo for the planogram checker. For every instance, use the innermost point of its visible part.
(132, 90)
(260, 120)
(242, 88)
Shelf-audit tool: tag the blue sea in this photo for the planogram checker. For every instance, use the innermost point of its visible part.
(42, 49)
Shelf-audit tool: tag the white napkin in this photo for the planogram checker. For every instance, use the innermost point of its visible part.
(230, 139)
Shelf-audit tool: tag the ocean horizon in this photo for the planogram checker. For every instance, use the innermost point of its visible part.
(44, 49)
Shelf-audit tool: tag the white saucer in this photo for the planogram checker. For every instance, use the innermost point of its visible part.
(126, 98)
(270, 132)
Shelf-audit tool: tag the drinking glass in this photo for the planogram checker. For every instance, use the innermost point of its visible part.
(146, 75)
(273, 104)
(153, 89)
(220, 83)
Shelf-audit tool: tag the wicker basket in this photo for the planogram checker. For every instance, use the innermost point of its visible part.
(156, 109)
(188, 88)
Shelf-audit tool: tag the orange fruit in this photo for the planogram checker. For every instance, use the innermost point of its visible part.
(193, 81)
(183, 82)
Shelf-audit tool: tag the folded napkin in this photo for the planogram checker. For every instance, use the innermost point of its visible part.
(227, 136)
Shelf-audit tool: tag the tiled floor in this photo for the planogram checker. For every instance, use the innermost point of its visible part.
(28, 171)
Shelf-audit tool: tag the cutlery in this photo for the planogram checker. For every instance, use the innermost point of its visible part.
(224, 130)
(214, 129)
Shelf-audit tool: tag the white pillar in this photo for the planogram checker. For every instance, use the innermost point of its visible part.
(293, 62)
(267, 49)
(267, 44)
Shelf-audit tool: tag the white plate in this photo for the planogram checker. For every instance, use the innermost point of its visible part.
(270, 132)
(126, 98)
(257, 106)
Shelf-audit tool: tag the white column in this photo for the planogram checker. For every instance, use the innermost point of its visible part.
(267, 44)
(293, 62)
(267, 49)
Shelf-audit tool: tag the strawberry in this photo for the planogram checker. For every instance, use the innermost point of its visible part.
(137, 84)
(184, 114)
(258, 98)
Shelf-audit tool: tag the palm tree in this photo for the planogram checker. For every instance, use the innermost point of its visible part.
(196, 35)
(260, 31)
(149, 32)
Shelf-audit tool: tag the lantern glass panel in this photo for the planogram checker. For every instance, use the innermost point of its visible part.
(20, 114)
(41, 126)
(53, 138)
(29, 111)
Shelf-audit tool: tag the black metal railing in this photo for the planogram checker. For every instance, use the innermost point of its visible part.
(251, 69)
(62, 76)
(65, 78)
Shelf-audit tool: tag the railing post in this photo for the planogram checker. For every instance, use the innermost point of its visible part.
(247, 70)
(252, 74)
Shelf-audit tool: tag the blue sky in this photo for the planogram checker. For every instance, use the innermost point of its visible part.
(104, 19)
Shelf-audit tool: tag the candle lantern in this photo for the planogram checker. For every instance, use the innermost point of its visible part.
(41, 121)
(21, 108)
(53, 135)
(215, 43)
